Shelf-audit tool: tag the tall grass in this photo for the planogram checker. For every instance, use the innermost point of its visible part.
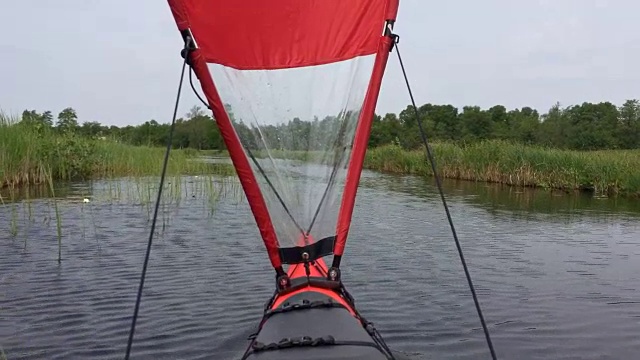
(40, 158)
(603, 172)
(607, 172)
(52, 201)
(27, 153)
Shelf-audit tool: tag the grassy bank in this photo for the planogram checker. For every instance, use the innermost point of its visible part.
(29, 155)
(606, 172)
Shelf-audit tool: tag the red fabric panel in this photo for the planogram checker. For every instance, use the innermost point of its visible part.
(392, 9)
(363, 130)
(178, 13)
(239, 159)
(277, 34)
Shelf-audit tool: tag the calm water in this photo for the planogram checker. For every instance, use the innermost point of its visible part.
(558, 276)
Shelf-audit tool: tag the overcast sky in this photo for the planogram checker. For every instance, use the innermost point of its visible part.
(117, 61)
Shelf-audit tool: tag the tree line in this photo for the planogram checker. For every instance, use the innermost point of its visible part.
(589, 126)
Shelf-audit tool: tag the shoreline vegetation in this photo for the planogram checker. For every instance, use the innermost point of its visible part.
(602, 173)
(36, 156)
(589, 147)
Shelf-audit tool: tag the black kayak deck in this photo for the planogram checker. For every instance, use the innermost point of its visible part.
(323, 331)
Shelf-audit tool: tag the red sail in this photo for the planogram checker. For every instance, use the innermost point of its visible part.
(293, 86)
(277, 34)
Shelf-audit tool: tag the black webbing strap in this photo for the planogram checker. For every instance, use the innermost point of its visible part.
(301, 254)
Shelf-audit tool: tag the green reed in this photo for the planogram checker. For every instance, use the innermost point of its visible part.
(33, 159)
(28, 155)
(605, 173)
(191, 193)
(13, 229)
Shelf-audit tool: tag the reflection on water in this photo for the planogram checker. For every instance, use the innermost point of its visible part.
(496, 197)
(557, 275)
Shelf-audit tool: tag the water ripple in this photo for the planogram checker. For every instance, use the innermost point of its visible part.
(552, 286)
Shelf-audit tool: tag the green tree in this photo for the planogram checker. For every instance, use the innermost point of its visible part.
(67, 121)
(554, 127)
(592, 126)
(629, 125)
(476, 123)
(588, 126)
(500, 123)
(38, 122)
(524, 125)
(91, 129)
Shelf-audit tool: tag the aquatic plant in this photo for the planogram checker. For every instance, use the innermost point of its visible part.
(59, 199)
(57, 212)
